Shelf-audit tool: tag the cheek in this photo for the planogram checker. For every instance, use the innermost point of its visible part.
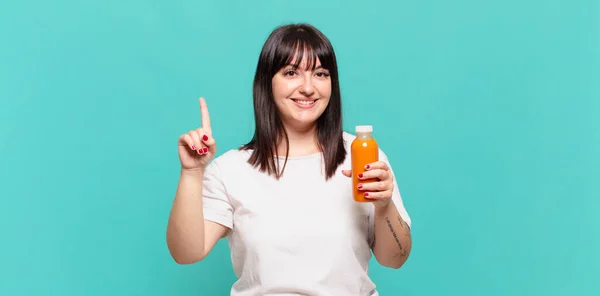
(325, 89)
(291, 85)
(284, 88)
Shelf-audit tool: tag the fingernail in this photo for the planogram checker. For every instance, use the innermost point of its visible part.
(360, 175)
(200, 151)
(205, 138)
(367, 167)
(193, 147)
(205, 149)
(366, 194)
(359, 186)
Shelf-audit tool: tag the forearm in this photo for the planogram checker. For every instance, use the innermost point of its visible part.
(393, 239)
(185, 231)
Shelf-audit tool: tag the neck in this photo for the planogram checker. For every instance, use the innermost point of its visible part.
(302, 140)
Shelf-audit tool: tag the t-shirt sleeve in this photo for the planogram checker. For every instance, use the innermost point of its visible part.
(396, 199)
(216, 203)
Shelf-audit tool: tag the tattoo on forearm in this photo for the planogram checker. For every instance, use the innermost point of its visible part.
(402, 249)
(405, 226)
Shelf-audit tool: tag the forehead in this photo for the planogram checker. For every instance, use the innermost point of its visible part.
(304, 58)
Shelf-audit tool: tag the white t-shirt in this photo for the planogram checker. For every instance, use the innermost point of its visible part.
(300, 235)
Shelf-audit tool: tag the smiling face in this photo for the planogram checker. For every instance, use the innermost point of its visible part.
(301, 93)
(292, 91)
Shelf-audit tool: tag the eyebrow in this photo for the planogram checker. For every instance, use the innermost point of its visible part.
(294, 66)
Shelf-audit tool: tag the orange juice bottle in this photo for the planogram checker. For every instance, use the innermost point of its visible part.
(364, 150)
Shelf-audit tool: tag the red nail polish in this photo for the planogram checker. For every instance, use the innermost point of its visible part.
(366, 194)
(200, 151)
(205, 149)
(367, 167)
(360, 175)
(359, 186)
(205, 138)
(193, 147)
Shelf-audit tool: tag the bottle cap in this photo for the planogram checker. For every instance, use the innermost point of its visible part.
(364, 128)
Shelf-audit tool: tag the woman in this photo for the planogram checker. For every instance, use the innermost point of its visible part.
(284, 200)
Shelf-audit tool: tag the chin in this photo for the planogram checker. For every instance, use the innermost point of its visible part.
(305, 119)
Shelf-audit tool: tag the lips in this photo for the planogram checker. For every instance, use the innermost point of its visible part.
(305, 102)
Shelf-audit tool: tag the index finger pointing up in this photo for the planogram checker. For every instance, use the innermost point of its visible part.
(204, 114)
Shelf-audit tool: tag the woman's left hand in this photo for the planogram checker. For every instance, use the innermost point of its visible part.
(380, 191)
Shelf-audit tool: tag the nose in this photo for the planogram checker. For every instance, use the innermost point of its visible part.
(307, 88)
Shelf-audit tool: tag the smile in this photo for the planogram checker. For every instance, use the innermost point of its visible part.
(304, 103)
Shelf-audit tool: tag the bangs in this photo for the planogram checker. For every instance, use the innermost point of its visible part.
(301, 47)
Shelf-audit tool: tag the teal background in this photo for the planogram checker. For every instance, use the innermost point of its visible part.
(488, 110)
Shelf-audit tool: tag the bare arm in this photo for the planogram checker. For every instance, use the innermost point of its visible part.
(189, 237)
(393, 241)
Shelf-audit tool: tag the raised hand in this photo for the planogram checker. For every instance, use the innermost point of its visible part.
(197, 147)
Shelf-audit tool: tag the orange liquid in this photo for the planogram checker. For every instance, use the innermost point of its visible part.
(364, 150)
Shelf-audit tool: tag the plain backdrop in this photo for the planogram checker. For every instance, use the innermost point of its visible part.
(488, 110)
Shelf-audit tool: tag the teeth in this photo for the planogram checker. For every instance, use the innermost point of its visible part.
(304, 102)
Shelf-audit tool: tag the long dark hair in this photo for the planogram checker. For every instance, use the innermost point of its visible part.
(280, 48)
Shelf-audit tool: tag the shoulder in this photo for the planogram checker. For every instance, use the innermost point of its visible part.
(348, 137)
(227, 167)
(231, 158)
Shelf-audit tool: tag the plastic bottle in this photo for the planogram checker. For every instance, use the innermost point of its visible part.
(364, 150)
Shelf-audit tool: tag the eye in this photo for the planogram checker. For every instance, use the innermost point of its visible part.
(323, 74)
(289, 73)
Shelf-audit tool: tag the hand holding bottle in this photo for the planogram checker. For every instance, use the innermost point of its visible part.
(371, 178)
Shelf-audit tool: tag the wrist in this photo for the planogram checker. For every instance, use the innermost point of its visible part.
(195, 172)
(383, 207)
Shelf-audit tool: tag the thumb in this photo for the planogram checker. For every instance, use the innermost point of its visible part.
(347, 173)
(210, 142)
